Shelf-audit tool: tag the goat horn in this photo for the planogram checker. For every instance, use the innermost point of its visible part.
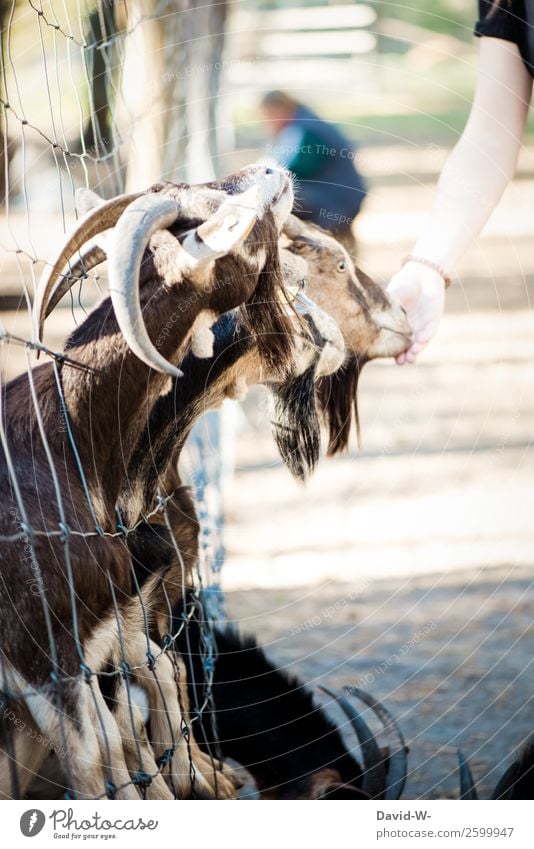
(397, 762)
(95, 222)
(89, 259)
(467, 784)
(228, 226)
(374, 777)
(132, 233)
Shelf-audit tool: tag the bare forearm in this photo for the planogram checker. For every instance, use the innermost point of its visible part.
(470, 186)
(484, 160)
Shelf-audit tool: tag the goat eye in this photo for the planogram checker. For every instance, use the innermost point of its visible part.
(341, 265)
(302, 284)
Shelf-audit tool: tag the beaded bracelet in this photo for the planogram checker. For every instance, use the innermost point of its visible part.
(428, 262)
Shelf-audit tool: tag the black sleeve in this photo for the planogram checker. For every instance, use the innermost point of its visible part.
(497, 21)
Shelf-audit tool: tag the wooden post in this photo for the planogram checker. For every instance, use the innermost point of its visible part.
(171, 73)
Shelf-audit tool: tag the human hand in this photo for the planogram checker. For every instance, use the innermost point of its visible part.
(421, 291)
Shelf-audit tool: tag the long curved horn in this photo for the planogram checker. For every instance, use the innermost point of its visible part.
(398, 761)
(87, 201)
(374, 777)
(228, 226)
(95, 222)
(89, 259)
(467, 784)
(138, 223)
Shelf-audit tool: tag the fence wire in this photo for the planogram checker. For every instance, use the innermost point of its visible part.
(65, 123)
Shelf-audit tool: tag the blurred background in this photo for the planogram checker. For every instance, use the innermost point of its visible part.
(404, 567)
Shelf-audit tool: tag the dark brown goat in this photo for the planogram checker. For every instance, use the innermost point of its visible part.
(269, 722)
(371, 324)
(363, 306)
(217, 253)
(153, 467)
(160, 564)
(165, 556)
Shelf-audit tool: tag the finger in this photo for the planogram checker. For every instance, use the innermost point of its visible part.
(400, 359)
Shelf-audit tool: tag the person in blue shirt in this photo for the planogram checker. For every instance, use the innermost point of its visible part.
(329, 190)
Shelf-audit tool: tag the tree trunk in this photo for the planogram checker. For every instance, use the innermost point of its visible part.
(170, 83)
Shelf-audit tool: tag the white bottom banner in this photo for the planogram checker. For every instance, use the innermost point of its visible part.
(269, 824)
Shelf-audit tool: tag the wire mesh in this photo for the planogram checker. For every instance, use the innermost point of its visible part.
(67, 120)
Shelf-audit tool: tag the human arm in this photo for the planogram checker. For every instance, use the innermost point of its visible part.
(470, 186)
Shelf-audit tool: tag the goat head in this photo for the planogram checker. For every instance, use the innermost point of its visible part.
(372, 324)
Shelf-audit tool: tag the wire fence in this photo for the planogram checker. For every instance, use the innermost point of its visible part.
(73, 114)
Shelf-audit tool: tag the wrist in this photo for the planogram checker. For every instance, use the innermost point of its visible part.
(424, 262)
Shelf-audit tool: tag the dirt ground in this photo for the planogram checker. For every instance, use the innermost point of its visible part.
(406, 568)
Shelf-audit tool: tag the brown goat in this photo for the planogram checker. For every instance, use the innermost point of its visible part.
(53, 600)
(372, 324)
(175, 548)
(365, 315)
(206, 382)
(153, 473)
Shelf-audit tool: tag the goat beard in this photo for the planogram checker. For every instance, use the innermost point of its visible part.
(264, 314)
(295, 424)
(338, 402)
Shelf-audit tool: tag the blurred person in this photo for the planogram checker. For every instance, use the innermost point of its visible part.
(478, 169)
(330, 191)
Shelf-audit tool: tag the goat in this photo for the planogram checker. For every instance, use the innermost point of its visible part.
(106, 391)
(361, 309)
(165, 555)
(366, 338)
(174, 412)
(372, 324)
(153, 465)
(268, 721)
(516, 783)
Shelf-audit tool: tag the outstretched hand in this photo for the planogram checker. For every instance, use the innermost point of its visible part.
(421, 291)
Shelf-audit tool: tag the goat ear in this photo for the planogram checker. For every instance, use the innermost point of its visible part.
(226, 228)
(85, 200)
